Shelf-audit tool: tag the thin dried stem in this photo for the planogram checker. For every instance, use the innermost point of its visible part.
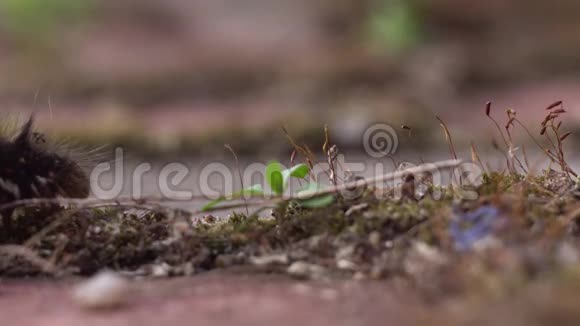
(448, 137)
(238, 168)
(475, 157)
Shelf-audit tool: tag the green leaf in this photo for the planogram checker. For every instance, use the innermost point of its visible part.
(274, 177)
(309, 188)
(277, 183)
(318, 202)
(299, 171)
(212, 204)
(255, 190)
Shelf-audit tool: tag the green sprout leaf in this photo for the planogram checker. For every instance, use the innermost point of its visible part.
(212, 204)
(277, 183)
(252, 191)
(313, 201)
(318, 202)
(299, 171)
(274, 177)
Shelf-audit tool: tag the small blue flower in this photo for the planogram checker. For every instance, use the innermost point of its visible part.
(481, 223)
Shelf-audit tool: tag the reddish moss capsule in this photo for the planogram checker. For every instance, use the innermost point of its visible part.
(553, 105)
(564, 136)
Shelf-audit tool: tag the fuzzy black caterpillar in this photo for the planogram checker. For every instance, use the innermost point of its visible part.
(31, 169)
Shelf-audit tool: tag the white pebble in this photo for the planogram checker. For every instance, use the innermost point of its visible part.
(161, 270)
(346, 265)
(106, 290)
(271, 260)
(302, 269)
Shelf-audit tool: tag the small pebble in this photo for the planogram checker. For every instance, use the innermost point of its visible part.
(106, 290)
(271, 260)
(356, 209)
(345, 252)
(346, 265)
(180, 229)
(161, 270)
(423, 258)
(302, 269)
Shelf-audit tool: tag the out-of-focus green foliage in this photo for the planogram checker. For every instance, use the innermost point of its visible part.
(394, 26)
(35, 19)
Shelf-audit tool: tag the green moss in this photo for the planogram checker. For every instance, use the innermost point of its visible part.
(495, 182)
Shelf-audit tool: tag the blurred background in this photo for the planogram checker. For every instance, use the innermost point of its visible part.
(187, 76)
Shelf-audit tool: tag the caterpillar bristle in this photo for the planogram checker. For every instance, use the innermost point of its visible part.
(34, 166)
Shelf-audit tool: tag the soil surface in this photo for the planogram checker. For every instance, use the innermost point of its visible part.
(215, 299)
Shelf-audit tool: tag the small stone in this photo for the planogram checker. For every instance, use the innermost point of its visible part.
(188, 269)
(430, 253)
(370, 215)
(301, 269)
(315, 242)
(487, 243)
(160, 270)
(271, 260)
(180, 229)
(106, 290)
(422, 190)
(346, 265)
(299, 254)
(423, 258)
(345, 252)
(356, 208)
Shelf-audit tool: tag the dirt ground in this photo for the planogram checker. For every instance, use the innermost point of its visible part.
(214, 299)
